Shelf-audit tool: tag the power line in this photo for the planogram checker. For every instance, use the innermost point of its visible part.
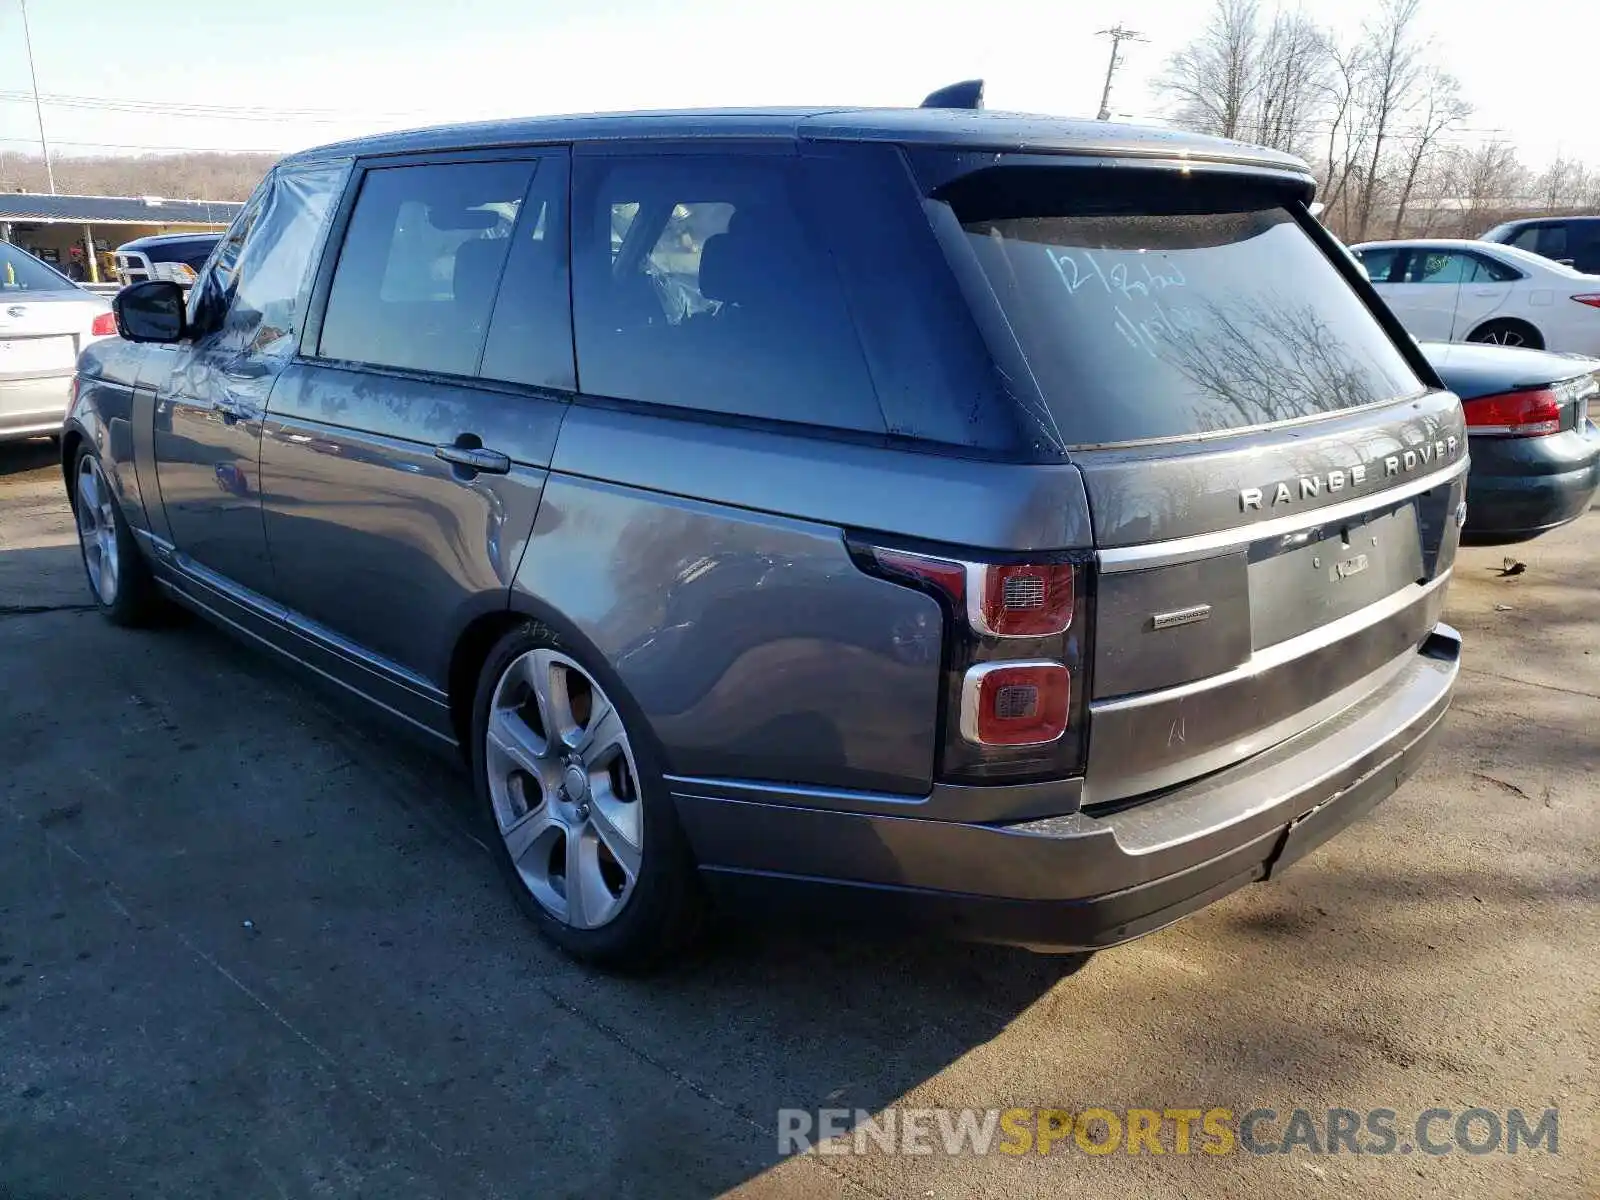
(1118, 35)
(156, 149)
(231, 112)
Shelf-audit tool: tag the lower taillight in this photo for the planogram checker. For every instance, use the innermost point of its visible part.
(104, 325)
(1015, 637)
(1015, 703)
(1532, 413)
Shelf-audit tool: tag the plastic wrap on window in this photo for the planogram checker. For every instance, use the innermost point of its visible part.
(261, 276)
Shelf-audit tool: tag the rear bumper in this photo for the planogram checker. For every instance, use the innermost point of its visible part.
(33, 407)
(1522, 487)
(1086, 879)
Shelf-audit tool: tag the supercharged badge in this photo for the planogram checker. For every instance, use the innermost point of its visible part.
(1308, 487)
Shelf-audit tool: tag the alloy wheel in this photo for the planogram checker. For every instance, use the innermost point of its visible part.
(97, 529)
(564, 788)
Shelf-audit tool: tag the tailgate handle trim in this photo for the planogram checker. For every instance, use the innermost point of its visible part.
(1204, 545)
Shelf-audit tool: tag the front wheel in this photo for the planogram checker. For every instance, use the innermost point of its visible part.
(119, 578)
(584, 829)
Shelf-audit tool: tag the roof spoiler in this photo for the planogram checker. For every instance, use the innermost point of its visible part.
(966, 94)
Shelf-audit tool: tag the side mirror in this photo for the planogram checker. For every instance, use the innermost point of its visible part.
(152, 311)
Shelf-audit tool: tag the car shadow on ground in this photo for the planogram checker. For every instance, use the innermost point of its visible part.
(32, 455)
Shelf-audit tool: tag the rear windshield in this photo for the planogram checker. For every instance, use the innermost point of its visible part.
(1143, 315)
(20, 272)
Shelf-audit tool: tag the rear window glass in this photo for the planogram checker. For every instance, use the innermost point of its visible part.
(1138, 323)
(20, 272)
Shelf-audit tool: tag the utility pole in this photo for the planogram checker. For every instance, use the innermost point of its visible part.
(1118, 35)
(38, 109)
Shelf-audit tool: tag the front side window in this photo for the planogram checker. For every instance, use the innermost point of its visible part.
(1154, 306)
(1527, 239)
(1378, 263)
(421, 263)
(699, 285)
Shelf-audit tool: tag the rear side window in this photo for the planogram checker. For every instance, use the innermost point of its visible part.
(421, 263)
(1486, 270)
(1161, 307)
(1438, 266)
(698, 284)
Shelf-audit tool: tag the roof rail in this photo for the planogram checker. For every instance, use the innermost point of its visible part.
(966, 94)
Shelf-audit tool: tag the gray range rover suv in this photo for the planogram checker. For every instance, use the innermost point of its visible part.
(1027, 529)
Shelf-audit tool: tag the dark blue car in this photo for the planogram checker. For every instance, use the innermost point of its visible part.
(1535, 452)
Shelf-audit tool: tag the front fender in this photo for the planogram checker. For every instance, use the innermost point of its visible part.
(103, 415)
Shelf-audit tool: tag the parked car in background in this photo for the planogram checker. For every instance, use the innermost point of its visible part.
(1535, 450)
(811, 505)
(1572, 241)
(174, 256)
(1453, 290)
(45, 320)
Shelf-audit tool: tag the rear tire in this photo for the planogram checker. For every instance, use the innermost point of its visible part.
(579, 818)
(1508, 333)
(119, 578)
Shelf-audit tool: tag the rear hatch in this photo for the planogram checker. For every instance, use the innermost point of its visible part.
(1273, 482)
(42, 332)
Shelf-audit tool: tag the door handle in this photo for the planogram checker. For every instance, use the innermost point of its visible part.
(474, 458)
(1485, 292)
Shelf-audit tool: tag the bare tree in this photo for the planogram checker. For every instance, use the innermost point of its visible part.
(1347, 134)
(1293, 71)
(1442, 109)
(1394, 68)
(1491, 179)
(1214, 78)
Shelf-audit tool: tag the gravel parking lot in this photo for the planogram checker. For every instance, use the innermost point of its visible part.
(252, 946)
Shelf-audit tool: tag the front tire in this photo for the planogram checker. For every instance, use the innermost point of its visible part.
(581, 823)
(119, 578)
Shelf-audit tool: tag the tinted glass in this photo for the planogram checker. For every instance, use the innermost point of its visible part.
(21, 272)
(1526, 239)
(1139, 323)
(421, 260)
(1485, 270)
(1437, 266)
(1378, 263)
(530, 335)
(698, 285)
(1552, 241)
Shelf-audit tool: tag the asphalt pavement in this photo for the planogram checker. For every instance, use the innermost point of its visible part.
(251, 944)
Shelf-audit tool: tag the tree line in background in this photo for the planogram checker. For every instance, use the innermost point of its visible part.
(187, 176)
(1382, 123)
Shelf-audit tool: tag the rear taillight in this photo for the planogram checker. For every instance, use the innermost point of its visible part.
(1532, 413)
(104, 325)
(1015, 636)
(1592, 299)
(1015, 703)
(1011, 600)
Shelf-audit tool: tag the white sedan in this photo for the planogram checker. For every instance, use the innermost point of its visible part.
(1454, 290)
(45, 319)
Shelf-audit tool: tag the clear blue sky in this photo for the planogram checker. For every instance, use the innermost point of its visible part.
(354, 66)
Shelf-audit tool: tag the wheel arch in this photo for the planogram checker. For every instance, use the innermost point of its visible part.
(478, 638)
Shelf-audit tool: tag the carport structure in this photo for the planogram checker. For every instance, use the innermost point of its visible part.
(60, 229)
